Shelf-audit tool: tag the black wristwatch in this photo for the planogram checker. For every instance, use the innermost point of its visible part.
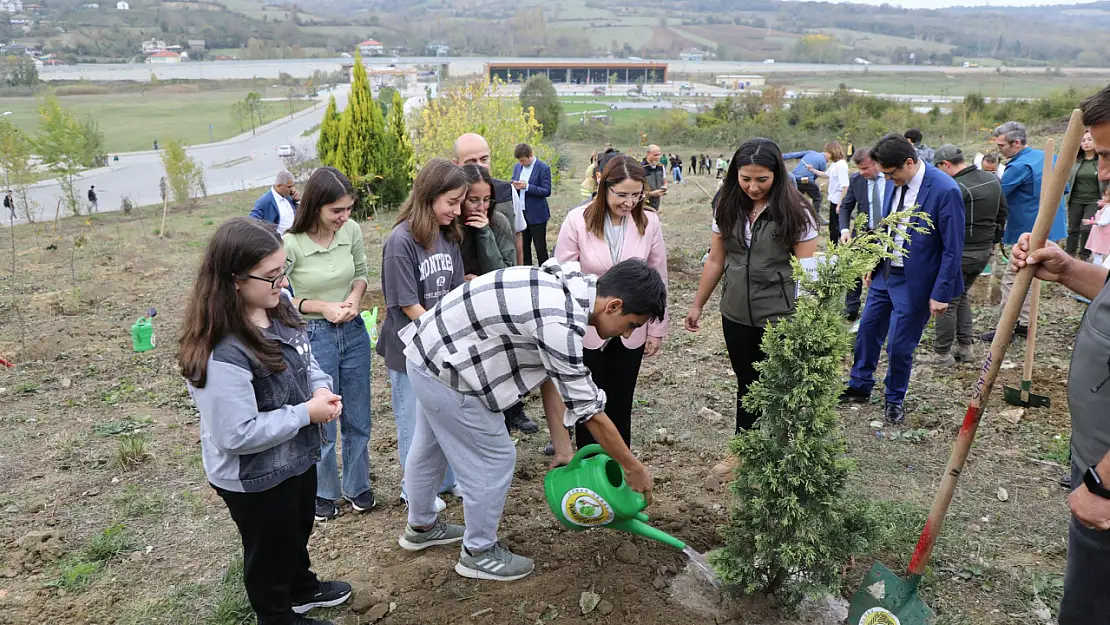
(1094, 483)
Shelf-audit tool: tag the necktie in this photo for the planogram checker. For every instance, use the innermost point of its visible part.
(898, 240)
(876, 204)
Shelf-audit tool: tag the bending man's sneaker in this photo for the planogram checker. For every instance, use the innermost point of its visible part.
(496, 564)
(329, 595)
(439, 534)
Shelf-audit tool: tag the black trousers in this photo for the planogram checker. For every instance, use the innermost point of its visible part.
(614, 369)
(275, 525)
(1088, 567)
(814, 192)
(834, 223)
(743, 344)
(535, 234)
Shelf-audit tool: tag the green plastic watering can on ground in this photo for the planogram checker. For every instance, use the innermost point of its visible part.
(591, 492)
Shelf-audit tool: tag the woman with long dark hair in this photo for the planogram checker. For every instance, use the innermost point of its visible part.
(761, 222)
(613, 227)
(1084, 192)
(421, 263)
(262, 400)
(328, 274)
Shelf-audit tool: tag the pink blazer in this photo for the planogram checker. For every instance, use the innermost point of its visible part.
(575, 243)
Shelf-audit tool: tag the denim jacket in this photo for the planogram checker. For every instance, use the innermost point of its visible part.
(254, 426)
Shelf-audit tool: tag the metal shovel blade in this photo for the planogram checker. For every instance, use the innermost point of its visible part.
(886, 599)
(1023, 397)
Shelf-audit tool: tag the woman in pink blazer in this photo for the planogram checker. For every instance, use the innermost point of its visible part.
(613, 227)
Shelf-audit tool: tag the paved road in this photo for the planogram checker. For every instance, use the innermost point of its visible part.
(239, 163)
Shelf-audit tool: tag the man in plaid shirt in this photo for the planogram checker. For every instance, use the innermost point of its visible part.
(483, 347)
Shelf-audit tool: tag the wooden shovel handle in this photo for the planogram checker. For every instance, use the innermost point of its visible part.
(1031, 338)
(1052, 190)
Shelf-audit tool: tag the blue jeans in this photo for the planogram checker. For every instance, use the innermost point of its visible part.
(343, 352)
(404, 413)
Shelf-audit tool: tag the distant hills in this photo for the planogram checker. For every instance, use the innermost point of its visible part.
(741, 30)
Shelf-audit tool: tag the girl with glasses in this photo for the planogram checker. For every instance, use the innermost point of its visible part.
(263, 400)
(613, 227)
(488, 242)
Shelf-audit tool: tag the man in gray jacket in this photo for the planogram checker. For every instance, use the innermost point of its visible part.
(985, 219)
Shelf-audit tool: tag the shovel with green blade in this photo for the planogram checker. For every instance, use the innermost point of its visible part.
(884, 598)
(1025, 396)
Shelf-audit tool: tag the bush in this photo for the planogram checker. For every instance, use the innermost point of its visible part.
(538, 94)
(794, 524)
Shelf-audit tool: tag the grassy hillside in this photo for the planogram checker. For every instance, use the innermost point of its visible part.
(743, 30)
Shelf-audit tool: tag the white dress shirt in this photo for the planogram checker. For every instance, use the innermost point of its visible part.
(285, 212)
(838, 180)
(912, 188)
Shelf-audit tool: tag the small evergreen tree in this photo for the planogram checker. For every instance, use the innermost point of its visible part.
(328, 141)
(793, 526)
(398, 182)
(539, 95)
(361, 151)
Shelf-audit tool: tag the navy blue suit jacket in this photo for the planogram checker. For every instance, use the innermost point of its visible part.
(265, 208)
(933, 263)
(536, 210)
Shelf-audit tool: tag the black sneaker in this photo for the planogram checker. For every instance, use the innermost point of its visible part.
(363, 502)
(329, 595)
(894, 413)
(1065, 482)
(1019, 330)
(523, 424)
(325, 509)
(852, 395)
(304, 620)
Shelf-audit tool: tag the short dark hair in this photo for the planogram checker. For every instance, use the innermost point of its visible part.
(638, 286)
(990, 157)
(1096, 108)
(861, 155)
(523, 150)
(893, 151)
(914, 135)
(604, 158)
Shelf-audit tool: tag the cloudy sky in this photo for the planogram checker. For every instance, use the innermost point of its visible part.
(934, 4)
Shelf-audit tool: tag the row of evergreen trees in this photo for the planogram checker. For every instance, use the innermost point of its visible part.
(376, 154)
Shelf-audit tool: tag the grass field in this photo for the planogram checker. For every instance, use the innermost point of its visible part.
(132, 122)
(875, 43)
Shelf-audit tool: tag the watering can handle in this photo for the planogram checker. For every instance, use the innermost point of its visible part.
(586, 452)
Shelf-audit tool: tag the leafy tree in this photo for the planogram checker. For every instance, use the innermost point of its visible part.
(361, 149)
(18, 71)
(95, 155)
(539, 95)
(254, 108)
(239, 114)
(15, 159)
(793, 525)
(328, 141)
(61, 142)
(471, 108)
(184, 176)
(398, 182)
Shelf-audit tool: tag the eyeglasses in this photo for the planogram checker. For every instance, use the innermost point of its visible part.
(478, 201)
(276, 281)
(624, 197)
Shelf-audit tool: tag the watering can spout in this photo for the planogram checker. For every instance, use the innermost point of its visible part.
(638, 527)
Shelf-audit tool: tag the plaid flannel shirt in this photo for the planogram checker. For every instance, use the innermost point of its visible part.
(503, 334)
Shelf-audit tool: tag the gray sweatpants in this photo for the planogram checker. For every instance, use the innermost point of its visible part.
(458, 429)
(1008, 276)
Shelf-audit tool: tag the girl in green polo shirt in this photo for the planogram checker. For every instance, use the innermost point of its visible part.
(328, 276)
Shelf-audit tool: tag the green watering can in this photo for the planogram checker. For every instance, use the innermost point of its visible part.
(591, 492)
(370, 318)
(142, 332)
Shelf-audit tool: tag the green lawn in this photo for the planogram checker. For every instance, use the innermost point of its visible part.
(132, 122)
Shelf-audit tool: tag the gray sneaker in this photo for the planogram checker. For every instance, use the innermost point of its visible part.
(440, 534)
(939, 360)
(496, 564)
(964, 353)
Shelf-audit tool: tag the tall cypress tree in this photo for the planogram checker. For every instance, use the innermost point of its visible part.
(398, 154)
(360, 154)
(328, 142)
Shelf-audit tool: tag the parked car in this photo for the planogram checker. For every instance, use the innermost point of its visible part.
(599, 90)
(285, 151)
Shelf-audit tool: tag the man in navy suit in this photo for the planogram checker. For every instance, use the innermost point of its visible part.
(278, 204)
(532, 182)
(918, 282)
(865, 193)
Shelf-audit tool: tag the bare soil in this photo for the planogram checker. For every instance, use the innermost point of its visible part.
(78, 392)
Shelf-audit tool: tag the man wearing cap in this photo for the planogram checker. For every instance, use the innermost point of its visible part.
(985, 220)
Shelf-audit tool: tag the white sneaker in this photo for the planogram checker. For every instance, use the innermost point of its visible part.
(441, 505)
